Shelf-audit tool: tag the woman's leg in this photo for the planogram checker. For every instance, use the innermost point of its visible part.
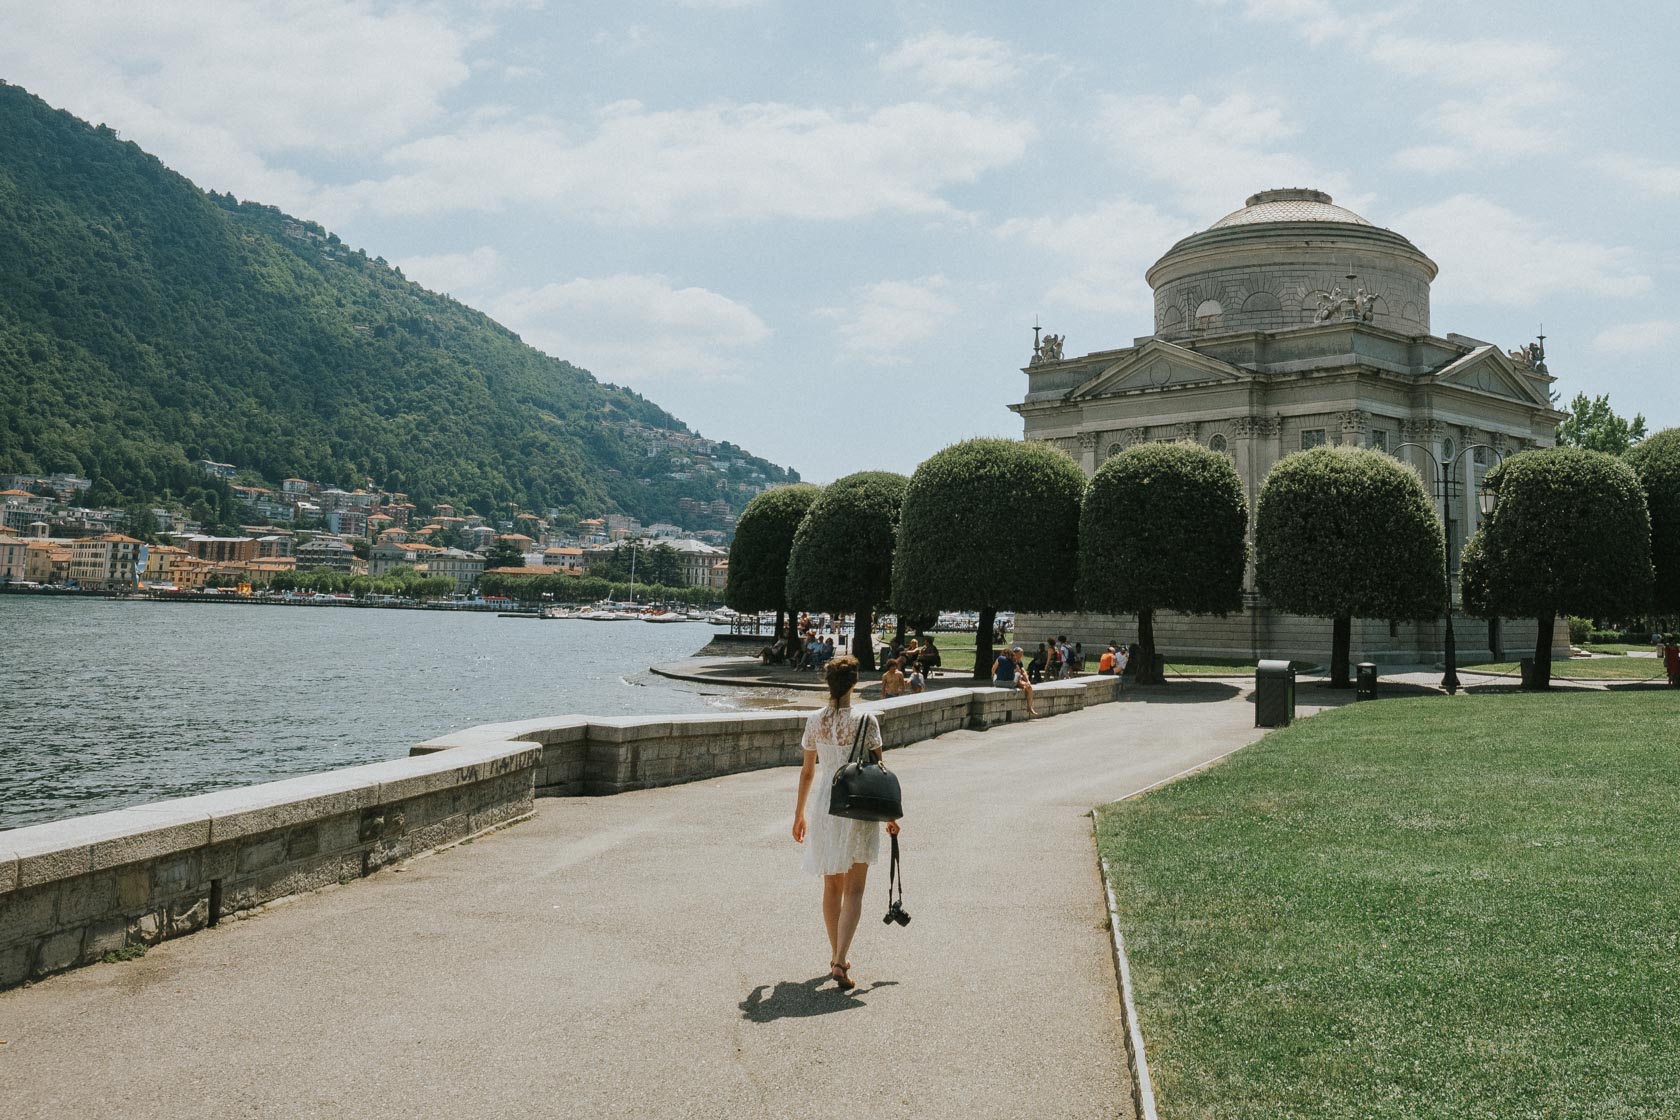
(1026, 687)
(851, 908)
(834, 889)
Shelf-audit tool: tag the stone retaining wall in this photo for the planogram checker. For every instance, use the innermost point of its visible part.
(74, 891)
(599, 755)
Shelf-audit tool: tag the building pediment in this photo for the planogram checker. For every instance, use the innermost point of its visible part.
(1157, 365)
(1487, 370)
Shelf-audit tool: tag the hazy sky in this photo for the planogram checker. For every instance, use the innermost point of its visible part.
(824, 230)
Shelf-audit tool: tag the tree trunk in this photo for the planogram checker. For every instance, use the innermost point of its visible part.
(1496, 639)
(983, 655)
(1146, 649)
(1543, 652)
(863, 640)
(1341, 647)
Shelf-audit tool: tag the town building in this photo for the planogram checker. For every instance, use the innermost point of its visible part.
(14, 560)
(1288, 324)
(454, 563)
(218, 550)
(104, 562)
(326, 554)
(570, 559)
(385, 558)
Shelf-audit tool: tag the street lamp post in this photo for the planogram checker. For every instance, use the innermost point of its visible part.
(1445, 483)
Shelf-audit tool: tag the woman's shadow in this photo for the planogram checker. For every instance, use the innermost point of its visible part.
(798, 1000)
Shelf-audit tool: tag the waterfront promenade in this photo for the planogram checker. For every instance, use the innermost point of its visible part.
(658, 953)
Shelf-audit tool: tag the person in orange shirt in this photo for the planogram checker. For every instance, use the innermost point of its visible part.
(1105, 663)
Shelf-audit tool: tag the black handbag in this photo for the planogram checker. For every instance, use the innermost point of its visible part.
(863, 789)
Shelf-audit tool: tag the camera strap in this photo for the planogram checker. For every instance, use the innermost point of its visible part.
(894, 875)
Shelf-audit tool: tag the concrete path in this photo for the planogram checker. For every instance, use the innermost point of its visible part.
(659, 954)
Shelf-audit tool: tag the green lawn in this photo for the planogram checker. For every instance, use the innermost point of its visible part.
(1586, 668)
(1432, 907)
(1619, 648)
(1224, 666)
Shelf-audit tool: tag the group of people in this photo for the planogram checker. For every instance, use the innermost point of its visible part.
(1055, 660)
(809, 646)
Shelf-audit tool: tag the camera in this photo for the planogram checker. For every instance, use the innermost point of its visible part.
(897, 913)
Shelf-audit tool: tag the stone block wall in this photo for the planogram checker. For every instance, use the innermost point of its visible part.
(73, 891)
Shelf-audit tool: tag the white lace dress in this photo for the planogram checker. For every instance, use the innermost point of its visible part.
(833, 844)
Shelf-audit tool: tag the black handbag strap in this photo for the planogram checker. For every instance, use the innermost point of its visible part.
(858, 753)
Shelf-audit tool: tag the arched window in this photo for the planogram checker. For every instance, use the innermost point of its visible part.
(1207, 311)
(1448, 450)
(1217, 443)
(1262, 301)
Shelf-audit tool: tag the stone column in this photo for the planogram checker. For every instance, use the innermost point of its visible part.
(1088, 461)
(1356, 422)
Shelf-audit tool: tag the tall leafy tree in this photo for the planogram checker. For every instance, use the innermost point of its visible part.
(1657, 463)
(504, 554)
(989, 525)
(1344, 532)
(1570, 534)
(842, 555)
(758, 560)
(1163, 527)
(1593, 425)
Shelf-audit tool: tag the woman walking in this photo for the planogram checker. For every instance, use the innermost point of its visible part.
(837, 848)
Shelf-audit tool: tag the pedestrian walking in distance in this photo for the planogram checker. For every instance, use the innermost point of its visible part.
(837, 848)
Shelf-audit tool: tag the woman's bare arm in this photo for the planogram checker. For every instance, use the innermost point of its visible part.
(807, 772)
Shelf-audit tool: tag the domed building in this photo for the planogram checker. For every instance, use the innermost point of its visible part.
(1285, 325)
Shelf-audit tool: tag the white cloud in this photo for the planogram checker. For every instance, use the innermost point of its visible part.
(886, 316)
(720, 162)
(1643, 173)
(452, 272)
(1101, 255)
(1213, 155)
(1430, 159)
(1637, 338)
(218, 90)
(942, 61)
(1493, 256)
(629, 327)
(1503, 83)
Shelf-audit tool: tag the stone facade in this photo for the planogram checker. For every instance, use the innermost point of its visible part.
(1289, 324)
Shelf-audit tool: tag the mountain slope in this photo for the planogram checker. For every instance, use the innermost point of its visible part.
(145, 323)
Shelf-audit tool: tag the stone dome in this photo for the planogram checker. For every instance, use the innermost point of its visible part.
(1290, 258)
(1291, 204)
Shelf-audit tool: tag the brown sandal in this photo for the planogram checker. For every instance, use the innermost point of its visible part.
(837, 973)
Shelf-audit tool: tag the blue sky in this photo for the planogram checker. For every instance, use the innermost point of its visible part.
(824, 231)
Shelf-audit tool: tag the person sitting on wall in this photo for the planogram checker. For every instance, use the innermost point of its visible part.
(928, 659)
(1105, 663)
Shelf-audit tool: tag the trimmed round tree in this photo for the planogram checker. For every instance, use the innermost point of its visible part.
(989, 525)
(1345, 532)
(1570, 534)
(1657, 463)
(1163, 528)
(843, 552)
(758, 558)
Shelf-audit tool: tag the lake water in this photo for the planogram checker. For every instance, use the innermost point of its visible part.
(106, 704)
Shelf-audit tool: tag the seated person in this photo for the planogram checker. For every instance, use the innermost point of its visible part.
(916, 682)
(1105, 663)
(928, 658)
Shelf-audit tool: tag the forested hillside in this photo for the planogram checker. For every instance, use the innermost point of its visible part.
(145, 324)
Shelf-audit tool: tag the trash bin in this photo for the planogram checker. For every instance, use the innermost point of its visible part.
(1365, 687)
(1527, 664)
(1274, 694)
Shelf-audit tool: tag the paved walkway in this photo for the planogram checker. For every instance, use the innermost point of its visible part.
(659, 954)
